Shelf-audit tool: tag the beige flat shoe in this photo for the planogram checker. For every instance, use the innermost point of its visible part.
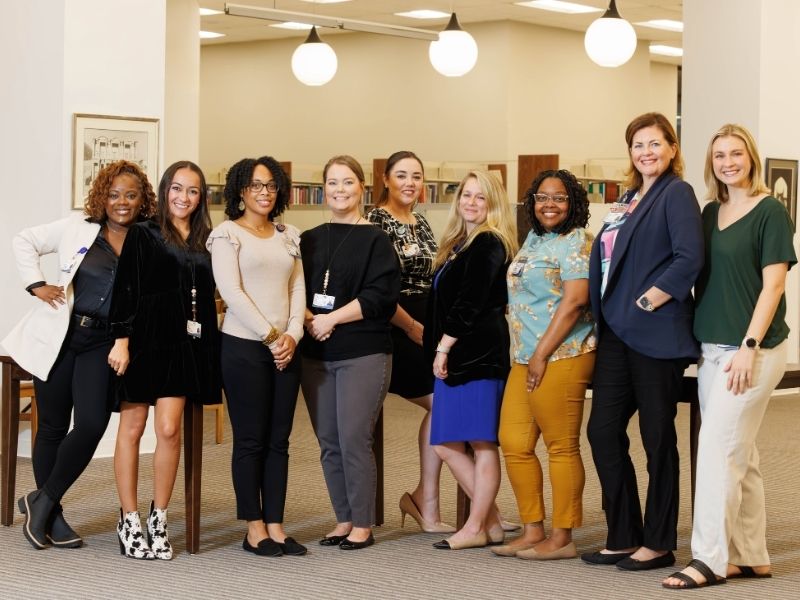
(476, 541)
(508, 526)
(510, 550)
(568, 551)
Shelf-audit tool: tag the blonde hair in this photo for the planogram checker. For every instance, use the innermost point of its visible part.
(499, 219)
(633, 179)
(716, 190)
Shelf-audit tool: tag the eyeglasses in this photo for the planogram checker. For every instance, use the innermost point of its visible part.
(557, 198)
(257, 186)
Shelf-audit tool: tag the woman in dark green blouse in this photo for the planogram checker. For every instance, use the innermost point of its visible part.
(740, 322)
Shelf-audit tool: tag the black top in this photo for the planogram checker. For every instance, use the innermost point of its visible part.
(415, 246)
(151, 305)
(94, 280)
(363, 266)
(468, 302)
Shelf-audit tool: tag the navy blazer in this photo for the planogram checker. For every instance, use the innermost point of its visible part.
(661, 244)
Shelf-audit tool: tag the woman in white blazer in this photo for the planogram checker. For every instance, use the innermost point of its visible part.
(64, 340)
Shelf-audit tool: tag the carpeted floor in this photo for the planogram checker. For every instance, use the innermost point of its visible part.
(402, 564)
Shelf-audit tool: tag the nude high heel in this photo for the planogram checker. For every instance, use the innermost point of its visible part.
(408, 506)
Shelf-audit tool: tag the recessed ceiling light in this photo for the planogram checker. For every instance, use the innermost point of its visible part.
(207, 12)
(665, 24)
(293, 25)
(325, 1)
(207, 35)
(571, 8)
(665, 50)
(424, 14)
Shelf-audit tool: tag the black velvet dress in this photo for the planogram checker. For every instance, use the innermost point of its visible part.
(151, 305)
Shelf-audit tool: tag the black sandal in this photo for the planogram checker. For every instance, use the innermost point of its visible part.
(749, 573)
(689, 582)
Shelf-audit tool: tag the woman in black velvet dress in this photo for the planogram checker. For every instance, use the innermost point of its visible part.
(167, 346)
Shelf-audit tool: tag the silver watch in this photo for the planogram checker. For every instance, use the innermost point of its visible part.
(645, 303)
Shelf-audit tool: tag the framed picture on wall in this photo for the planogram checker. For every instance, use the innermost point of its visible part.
(781, 175)
(101, 139)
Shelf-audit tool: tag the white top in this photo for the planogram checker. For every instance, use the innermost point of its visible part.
(261, 281)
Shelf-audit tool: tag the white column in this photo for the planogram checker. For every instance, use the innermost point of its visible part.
(94, 56)
(740, 66)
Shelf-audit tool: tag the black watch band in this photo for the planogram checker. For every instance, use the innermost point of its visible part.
(33, 286)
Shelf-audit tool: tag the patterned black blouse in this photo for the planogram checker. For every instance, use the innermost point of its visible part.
(415, 246)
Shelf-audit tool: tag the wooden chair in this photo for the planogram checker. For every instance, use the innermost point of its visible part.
(219, 409)
(29, 413)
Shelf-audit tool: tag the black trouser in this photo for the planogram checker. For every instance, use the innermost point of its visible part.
(261, 403)
(626, 381)
(80, 379)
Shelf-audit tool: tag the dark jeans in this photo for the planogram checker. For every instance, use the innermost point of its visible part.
(261, 403)
(626, 381)
(81, 380)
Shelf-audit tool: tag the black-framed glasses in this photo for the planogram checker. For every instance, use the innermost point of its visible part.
(257, 186)
(557, 198)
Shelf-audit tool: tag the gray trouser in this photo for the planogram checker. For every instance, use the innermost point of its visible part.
(344, 398)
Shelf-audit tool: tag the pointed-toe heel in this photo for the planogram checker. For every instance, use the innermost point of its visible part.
(132, 543)
(408, 506)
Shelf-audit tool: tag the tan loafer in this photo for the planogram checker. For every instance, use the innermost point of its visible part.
(568, 551)
(510, 549)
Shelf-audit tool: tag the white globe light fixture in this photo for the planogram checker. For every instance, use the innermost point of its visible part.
(610, 40)
(455, 52)
(314, 62)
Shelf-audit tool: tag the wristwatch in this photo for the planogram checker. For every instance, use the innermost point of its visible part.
(751, 343)
(646, 304)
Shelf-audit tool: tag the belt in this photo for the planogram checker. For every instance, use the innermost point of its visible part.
(89, 322)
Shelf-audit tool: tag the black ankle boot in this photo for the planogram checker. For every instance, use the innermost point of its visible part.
(59, 533)
(36, 507)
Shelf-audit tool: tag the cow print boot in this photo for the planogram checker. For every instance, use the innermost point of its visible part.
(131, 538)
(157, 533)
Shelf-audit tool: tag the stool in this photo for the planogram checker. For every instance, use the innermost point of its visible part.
(29, 413)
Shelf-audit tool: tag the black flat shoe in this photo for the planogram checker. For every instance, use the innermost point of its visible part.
(266, 547)
(333, 540)
(347, 544)
(600, 558)
(659, 562)
(290, 547)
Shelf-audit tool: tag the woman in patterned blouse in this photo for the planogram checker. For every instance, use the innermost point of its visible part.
(553, 342)
(412, 378)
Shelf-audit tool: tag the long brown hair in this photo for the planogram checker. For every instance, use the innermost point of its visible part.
(199, 221)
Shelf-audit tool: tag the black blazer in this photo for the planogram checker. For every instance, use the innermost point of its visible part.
(661, 244)
(468, 302)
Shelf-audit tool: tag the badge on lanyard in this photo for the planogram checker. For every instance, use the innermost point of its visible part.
(323, 301)
(411, 249)
(193, 328)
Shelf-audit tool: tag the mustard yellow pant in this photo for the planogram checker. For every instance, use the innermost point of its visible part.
(554, 410)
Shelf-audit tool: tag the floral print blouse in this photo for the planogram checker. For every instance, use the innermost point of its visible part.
(535, 287)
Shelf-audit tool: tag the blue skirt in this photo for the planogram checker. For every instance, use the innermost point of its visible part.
(466, 413)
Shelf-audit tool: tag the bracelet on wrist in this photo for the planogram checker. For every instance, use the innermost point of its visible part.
(272, 336)
(442, 349)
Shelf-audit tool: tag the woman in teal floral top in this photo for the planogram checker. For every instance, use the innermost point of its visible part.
(552, 342)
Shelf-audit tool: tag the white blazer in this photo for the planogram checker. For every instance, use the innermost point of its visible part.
(36, 340)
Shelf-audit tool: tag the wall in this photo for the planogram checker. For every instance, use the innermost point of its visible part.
(534, 90)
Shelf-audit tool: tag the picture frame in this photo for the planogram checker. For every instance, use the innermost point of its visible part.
(781, 177)
(98, 140)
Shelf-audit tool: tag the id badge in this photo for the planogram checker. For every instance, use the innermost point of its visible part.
(193, 329)
(517, 267)
(410, 250)
(615, 213)
(323, 301)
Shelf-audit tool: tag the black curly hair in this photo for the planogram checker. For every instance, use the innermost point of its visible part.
(241, 174)
(578, 214)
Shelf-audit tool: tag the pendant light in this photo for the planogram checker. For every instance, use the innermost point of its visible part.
(314, 62)
(455, 52)
(610, 40)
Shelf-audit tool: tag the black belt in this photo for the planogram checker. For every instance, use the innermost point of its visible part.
(89, 322)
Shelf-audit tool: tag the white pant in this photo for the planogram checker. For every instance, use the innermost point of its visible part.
(729, 513)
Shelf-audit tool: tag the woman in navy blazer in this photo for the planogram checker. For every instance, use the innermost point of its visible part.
(643, 265)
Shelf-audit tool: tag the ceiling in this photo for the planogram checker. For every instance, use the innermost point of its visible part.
(242, 29)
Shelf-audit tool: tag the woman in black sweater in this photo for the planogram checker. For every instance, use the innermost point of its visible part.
(352, 286)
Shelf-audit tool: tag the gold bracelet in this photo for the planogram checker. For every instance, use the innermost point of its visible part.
(273, 335)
